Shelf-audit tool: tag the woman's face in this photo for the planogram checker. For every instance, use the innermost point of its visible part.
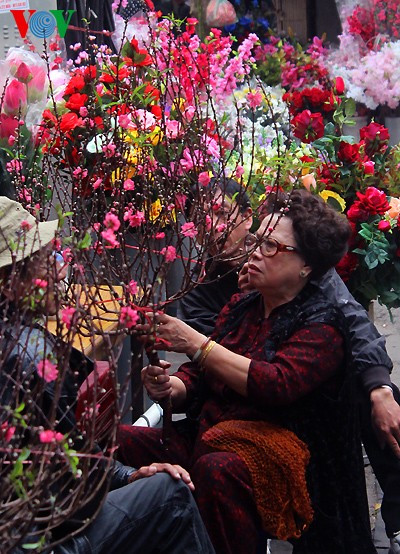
(283, 274)
(230, 227)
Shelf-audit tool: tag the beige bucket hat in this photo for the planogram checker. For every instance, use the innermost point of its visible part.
(21, 235)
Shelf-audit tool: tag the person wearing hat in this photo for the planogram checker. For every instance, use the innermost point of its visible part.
(157, 514)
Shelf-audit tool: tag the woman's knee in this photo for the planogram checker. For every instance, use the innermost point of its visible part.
(216, 467)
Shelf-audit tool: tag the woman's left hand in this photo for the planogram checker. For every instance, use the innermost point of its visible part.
(172, 334)
(176, 472)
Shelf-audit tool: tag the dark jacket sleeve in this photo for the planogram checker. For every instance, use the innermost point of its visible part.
(199, 310)
(370, 358)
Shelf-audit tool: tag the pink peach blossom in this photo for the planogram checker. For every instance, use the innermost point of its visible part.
(169, 253)
(49, 436)
(189, 230)
(47, 370)
(128, 317)
(67, 316)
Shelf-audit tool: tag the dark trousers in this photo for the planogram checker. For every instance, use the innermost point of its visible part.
(153, 515)
(386, 467)
(224, 491)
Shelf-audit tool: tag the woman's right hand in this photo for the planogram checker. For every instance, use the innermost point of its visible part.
(156, 380)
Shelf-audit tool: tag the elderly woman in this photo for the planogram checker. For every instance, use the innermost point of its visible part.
(275, 371)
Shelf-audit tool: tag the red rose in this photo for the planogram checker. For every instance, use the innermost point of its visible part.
(348, 153)
(374, 201)
(357, 212)
(308, 126)
(347, 265)
(375, 137)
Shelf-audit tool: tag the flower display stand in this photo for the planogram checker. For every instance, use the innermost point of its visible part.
(354, 130)
(393, 125)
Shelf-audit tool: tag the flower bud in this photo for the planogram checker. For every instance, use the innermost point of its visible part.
(384, 225)
(15, 98)
(339, 86)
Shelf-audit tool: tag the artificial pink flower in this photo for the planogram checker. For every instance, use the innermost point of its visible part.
(239, 171)
(129, 184)
(221, 228)
(23, 73)
(37, 86)
(49, 436)
(109, 150)
(255, 99)
(204, 178)
(169, 253)
(47, 370)
(172, 128)
(128, 317)
(40, 283)
(189, 230)
(98, 182)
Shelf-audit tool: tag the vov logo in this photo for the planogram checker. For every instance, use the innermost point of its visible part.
(42, 24)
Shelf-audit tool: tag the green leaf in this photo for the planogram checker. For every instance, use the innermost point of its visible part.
(84, 243)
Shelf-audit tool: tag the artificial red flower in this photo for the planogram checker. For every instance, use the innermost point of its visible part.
(156, 111)
(308, 126)
(348, 153)
(76, 84)
(8, 128)
(384, 225)
(374, 200)
(49, 118)
(375, 138)
(357, 212)
(369, 167)
(347, 265)
(70, 121)
(339, 86)
(151, 92)
(76, 101)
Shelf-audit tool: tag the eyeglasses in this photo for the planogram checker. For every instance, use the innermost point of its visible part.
(268, 247)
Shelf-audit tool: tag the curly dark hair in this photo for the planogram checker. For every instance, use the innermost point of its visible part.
(321, 233)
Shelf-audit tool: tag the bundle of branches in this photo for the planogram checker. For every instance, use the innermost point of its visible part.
(124, 153)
